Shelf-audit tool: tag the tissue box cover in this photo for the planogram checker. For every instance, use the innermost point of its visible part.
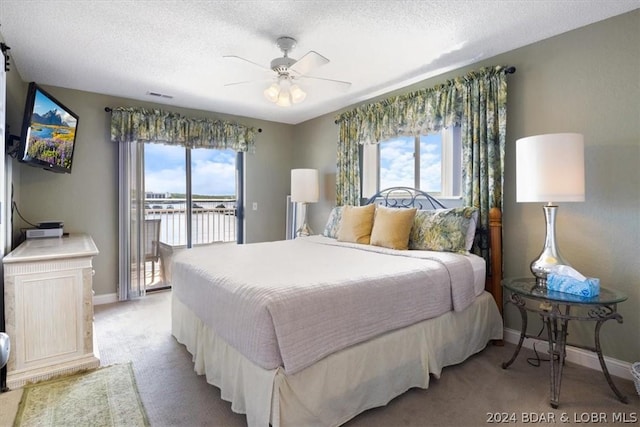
(570, 285)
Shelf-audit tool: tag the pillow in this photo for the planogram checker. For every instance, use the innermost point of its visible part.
(392, 226)
(356, 224)
(471, 231)
(441, 229)
(333, 223)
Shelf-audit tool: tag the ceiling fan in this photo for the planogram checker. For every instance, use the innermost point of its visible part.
(288, 71)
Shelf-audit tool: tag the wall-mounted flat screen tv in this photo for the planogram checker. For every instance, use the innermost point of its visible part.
(48, 135)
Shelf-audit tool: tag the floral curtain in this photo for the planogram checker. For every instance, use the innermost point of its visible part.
(145, 125)
(477, 102)
(484, 129)
(348, 171)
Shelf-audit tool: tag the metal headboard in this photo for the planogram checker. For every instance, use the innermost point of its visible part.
(405, 197)
(489, 239)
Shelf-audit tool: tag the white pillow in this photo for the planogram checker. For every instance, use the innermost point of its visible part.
(471, 231)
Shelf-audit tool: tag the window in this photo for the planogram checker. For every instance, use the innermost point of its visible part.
(205, 176)
(194, 196)
(431, 163)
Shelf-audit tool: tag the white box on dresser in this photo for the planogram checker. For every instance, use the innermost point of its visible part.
(49, 308)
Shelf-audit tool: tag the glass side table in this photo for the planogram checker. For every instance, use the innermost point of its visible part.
(556, 310)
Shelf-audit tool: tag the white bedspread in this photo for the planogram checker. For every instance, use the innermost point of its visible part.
(291, 303)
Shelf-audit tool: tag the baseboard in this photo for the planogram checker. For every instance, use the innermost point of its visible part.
(575, 355)
(105, 299)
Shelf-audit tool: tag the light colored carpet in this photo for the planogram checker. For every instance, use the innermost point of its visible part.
(104, 397)
(465, 394)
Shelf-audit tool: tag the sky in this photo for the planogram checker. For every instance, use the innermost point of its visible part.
(397, 164)
(212, 171)
(43, 105)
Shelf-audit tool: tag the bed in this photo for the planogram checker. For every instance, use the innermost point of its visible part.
(315, 330)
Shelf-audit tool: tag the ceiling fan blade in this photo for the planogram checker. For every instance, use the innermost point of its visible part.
(243, 82)
(310, 61)
(238, 58)
(341, 85)
(240, 83)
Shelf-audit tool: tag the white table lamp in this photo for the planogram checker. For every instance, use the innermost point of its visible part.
(550, 168)
(304, 190)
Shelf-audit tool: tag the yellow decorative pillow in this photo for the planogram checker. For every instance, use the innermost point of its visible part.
(392, 227)
(356, 224)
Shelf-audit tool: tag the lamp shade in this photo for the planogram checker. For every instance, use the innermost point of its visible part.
(271, 93)
(304, 185)
(283, 93)
(297, 94)
(550, 168)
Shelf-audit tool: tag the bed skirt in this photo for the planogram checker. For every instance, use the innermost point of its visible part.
(343, 384)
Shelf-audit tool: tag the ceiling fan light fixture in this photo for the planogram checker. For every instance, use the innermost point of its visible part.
(297, 94)
(284, 99)
(287, 71)
(283, 93)
(272, 92)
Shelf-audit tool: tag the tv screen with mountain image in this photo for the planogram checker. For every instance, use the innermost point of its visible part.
(48, 132)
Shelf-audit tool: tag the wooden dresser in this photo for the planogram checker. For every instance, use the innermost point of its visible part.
(49, 308)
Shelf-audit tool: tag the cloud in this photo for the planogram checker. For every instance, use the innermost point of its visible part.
(213, 178)
(397, 164)
(68, 118)
(212, 171)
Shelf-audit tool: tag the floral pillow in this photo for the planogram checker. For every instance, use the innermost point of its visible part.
(333, 223)
(441, 230)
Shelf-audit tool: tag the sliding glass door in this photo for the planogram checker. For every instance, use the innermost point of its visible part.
(174, 198)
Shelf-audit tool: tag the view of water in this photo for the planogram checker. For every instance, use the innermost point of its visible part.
(209, 222)
(41, 131)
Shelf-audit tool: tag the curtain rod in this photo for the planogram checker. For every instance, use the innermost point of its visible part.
(108, 110)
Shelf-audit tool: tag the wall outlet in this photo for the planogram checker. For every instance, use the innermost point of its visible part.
(255, 206)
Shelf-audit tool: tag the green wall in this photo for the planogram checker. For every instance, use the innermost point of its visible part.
(87, 199)
(585, 81)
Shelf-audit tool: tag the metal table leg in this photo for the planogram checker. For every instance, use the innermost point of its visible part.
(605, 371)
(557, 338)
(518, 302)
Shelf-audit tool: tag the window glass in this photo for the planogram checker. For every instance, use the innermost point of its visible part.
(164, 170)
(397, 162)
(213, 192)
(431, 163)
(213, 172)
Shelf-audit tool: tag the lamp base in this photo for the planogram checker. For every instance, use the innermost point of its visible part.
(550, 256)
(304, 230)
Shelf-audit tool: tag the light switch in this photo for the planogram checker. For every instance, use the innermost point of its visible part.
(255, 206)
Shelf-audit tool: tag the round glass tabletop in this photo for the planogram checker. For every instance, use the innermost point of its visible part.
(526, 286)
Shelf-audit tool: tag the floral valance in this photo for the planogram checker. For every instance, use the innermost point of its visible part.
(415, 113)
(146, 125)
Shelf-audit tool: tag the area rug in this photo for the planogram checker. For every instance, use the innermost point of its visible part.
(103, 397)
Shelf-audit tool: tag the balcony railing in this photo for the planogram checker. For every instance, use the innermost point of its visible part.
(213, 220)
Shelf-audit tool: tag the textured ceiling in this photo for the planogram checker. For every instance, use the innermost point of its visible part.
(130, 48)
